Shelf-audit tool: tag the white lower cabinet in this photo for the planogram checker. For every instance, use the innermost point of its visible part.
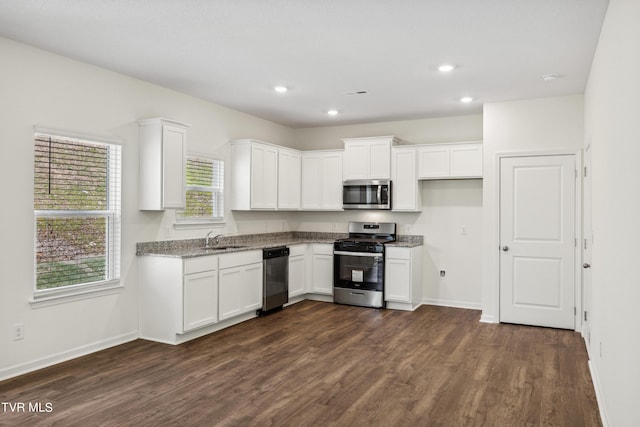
(240, 284)
(322, 269)
(200, 299)
(297, 270)
(403, 277)
(177, 296)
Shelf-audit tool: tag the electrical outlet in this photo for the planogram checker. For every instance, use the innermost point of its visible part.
(464, 230)
(407, 228)
(18, 331)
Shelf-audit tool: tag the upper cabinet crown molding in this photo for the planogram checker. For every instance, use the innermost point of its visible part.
(368, 158)
(162, 148)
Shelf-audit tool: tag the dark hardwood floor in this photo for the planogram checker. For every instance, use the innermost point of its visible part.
(319, 364)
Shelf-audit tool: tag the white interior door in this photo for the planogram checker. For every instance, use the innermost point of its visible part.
(537, 240)
(587, 234)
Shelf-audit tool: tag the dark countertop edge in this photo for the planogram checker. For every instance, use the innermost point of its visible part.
(192, 248)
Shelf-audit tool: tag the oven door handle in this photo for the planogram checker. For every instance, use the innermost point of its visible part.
(368, 254)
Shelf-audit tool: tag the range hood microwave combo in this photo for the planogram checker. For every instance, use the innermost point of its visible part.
(366, 194)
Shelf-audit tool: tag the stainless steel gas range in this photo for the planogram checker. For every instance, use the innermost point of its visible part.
(358, 264)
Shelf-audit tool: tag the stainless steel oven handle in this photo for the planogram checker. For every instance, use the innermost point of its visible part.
(368, 254)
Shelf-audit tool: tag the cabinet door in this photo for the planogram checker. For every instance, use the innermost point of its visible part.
(380, 160)
(311, 182)
(466, 161)
(200, 292)
(289, 176)
(356, 160)
(433, 162)
(174, 143)
(397, 280)
(322, 282)
(332, 181)
(264, 177)
(296, 275)
(240, 290)
(251, 296)
(406, 188)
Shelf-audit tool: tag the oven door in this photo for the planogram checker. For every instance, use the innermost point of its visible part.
(358, 270)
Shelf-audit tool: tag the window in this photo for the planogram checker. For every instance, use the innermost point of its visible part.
(205, 191)
(77, 213)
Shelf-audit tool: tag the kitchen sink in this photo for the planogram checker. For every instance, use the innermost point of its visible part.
(222, 248)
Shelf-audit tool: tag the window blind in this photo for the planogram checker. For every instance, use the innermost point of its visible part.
(77, 187)
(205, 190)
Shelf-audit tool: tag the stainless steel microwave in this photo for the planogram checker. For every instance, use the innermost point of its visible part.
(366, 194)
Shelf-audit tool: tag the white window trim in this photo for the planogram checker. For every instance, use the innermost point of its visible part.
(81, 291)
(204, 223)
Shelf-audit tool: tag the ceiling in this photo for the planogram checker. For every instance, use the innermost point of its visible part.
(233, 52)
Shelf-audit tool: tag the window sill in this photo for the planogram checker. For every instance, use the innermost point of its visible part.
(63, 296)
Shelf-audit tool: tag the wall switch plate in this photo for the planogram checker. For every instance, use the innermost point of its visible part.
(18, 331)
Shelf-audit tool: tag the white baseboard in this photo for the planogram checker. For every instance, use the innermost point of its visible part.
(488, 318)
(599, 397)
(23, 368)
(451, 303)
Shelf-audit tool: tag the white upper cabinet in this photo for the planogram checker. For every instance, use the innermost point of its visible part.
(163, 147)
(450, 161)
(254, 175)
(322, 180)
(289, 177)
(367, 158)
(406, 193)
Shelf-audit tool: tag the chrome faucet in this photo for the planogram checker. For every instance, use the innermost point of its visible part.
(206, 239)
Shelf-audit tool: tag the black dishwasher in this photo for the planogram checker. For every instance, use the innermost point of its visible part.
(275, 279)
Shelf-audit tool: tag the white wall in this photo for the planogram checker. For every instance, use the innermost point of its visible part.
(447, 206)
(521, 126)
(613, 129)
(41, 88)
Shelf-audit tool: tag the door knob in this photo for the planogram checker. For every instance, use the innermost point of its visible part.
(505, 248)
(586, 265)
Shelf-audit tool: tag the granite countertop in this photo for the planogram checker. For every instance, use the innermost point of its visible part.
(246, 242)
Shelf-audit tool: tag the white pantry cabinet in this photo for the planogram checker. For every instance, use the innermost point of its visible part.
(177, 296)
(297, 270)
(240, 283)
(406, 193)
(254, 175)
(322, 268)
(403, 277)
(367, 158)
(322, 180)
(450, 161)
(162, 163)
(289, 177)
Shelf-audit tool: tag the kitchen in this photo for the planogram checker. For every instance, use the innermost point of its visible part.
(58, 332)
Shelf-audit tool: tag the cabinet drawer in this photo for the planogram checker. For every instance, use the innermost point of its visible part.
(397, 253)
(296, 250)
(240, 258)
(196, 265)
(322, 249)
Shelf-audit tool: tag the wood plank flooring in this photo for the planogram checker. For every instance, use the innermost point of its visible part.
(320, 364)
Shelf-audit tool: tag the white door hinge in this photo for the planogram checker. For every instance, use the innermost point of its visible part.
(585, 171)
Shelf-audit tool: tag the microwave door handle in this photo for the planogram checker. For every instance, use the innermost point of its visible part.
(379, 194)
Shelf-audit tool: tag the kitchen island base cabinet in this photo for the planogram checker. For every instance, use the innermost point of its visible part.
(403, 278)
(240, 284)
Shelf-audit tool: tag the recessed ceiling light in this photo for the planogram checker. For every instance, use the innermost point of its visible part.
(445, 68)
(466, 99)
(332, 112)
(550, 77)
(280, 89)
